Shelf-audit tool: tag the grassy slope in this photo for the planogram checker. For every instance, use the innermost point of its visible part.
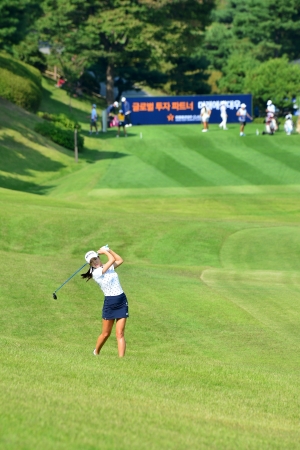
(209, 228)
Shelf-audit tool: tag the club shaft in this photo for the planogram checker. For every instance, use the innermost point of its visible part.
(70, 277)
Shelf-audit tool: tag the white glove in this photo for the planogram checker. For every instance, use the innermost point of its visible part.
(105, 247)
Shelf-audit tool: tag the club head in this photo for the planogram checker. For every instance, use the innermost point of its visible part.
(54, 296)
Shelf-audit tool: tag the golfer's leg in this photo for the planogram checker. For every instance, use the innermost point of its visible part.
(106, 331)
(120, 330)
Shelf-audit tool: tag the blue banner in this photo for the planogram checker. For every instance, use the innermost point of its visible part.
(185, 109)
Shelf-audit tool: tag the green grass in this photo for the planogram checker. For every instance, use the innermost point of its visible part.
(208, 225)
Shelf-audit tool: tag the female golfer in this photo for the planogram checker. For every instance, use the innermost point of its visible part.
(115, 307)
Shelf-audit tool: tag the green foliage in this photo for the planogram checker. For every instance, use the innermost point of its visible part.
(255, 29)
(259, 120)
(133, 40)
(20, 83)
(89, 83)
(217, 45)
(273, 28)
(191, 78)
(60, 135)
(235, 71)
(27, 51)
(15, 19)
(62, 119)
(275, 79)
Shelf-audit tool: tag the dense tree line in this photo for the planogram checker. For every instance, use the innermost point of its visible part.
(172, 44)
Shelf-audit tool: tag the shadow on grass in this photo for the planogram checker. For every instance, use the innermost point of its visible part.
(23, 186)
(19, 159)
(94, 155)
(111, 134)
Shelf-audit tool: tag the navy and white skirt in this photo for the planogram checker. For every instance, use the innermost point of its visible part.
(115, 307)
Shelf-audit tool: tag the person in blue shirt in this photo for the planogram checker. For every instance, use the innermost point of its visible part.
(127, 112)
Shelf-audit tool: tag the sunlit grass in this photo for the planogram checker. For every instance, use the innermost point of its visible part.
(209, 230)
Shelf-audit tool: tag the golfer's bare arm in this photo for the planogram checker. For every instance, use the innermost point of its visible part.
(118, 259)
(110, 261)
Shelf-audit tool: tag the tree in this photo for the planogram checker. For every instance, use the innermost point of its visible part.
(265, 29)
(62, 27)
(27, 49)
(188, 75)
(131, 40)
(235, 72)
(276, 79)
(183, 27)
(15, 19)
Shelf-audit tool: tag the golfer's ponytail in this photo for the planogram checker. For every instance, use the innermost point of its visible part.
(88, 274)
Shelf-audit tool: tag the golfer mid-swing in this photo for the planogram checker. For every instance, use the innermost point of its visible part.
(115, 307)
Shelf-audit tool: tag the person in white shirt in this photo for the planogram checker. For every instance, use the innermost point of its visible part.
(115, 306)
(242, 115)
(288, 124)
(94, 117)
(271, 110)
(205, 115)
(223, 113)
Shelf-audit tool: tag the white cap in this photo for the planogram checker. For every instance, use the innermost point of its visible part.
(94, 106)
(123, 99)
(223, 102)
(89, 255)
(269, 102)
(243, 105)
(116, 104)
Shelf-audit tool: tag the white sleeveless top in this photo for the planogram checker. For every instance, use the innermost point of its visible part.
(109, 282)
(243, 114)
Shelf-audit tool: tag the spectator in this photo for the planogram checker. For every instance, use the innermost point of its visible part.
(127, 112)
(271, 110)
(94, 117)
(205, 115)
(121, 123)
(242, 115)
(60, 82)
(288, 124)
(223, 113)
(111, 112)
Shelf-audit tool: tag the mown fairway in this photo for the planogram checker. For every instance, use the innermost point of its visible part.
(208, 225)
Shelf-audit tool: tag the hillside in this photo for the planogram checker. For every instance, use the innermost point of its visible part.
(208, 226)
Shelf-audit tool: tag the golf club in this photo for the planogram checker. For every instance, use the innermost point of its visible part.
(54, 293)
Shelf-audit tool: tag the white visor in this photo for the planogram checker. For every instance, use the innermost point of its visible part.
(89, 255)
